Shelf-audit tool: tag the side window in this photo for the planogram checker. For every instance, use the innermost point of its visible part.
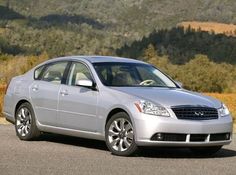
(37, 72)
(78, 71)
(54, 72)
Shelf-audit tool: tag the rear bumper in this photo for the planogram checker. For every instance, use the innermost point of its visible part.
(146, 126)
(9, 118)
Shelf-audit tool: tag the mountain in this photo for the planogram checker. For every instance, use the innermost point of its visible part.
(71, 27)
(134, 17)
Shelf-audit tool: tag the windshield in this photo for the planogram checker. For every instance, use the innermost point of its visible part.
(131, 75)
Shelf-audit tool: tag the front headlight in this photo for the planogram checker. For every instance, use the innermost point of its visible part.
(147, 107)
(223, 111)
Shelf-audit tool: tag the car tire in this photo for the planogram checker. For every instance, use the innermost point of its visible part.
(25, 123)
(119, 135)
(205, 151)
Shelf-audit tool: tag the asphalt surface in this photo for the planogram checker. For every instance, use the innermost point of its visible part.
(56, 154)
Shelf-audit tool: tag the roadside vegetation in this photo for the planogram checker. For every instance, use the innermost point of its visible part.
(2, 90)
(229, 100)
(199, 74)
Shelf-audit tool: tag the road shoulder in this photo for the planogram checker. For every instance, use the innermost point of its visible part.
(3, 121)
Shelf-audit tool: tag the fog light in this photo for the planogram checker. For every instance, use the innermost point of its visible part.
(227, 136)
(159, 136)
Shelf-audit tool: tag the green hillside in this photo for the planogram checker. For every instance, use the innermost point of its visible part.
(132, 17)
(181, 45)
(106, 26)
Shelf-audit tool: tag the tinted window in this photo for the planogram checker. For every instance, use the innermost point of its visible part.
(131, 74)
(54, 72)
(78, 71)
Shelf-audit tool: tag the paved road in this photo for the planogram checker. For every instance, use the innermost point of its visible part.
(55, 154)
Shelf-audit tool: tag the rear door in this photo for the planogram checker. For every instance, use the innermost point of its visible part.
(45, 90)
(78, 105)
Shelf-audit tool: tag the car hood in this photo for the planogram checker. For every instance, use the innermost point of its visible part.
(169, 97)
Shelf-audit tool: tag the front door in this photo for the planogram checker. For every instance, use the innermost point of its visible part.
(77, 105)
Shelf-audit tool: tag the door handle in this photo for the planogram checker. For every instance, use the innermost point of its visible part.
(35, 88)
(64, 92)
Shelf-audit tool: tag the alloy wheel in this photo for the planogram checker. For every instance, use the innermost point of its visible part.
(23, 121)
(120, 134)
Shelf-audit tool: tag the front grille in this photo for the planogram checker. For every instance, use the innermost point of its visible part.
(195, 113)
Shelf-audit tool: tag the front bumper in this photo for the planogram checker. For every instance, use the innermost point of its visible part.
(147, 125)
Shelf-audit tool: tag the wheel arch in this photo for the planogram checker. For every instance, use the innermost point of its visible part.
(18, 104)
(115, 111)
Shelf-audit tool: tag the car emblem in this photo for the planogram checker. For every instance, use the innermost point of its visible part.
(199, 113)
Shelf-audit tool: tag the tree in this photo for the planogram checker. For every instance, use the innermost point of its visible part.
(150, 52)
(8, 4)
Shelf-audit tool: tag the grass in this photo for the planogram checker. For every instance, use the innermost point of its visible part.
(11, 66)
(2, 31)
(3, 121)
(227, 29)
(2, 90)
(228, 99)
(230, 102)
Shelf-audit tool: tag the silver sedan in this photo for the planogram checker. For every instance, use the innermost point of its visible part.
(125, 102)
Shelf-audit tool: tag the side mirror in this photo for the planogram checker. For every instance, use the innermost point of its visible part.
(179, 83)
(86, 83)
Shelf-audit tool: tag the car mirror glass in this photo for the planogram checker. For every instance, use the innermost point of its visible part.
(84, 83)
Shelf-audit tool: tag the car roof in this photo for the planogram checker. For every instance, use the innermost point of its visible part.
(99, 59)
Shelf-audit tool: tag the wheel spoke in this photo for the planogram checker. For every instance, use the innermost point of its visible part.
(22, 131)
(113, 133)
(23, 113)
(127, 144)
(18, 122)
(20, 116)
(122, 124)
(120, 146)
(130, 135)
(26, 129)
(114, 142)
(116, 126)
(19, 129)
(19, 126)
(128, 127)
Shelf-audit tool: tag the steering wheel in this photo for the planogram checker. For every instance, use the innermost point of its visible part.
(147, 82)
